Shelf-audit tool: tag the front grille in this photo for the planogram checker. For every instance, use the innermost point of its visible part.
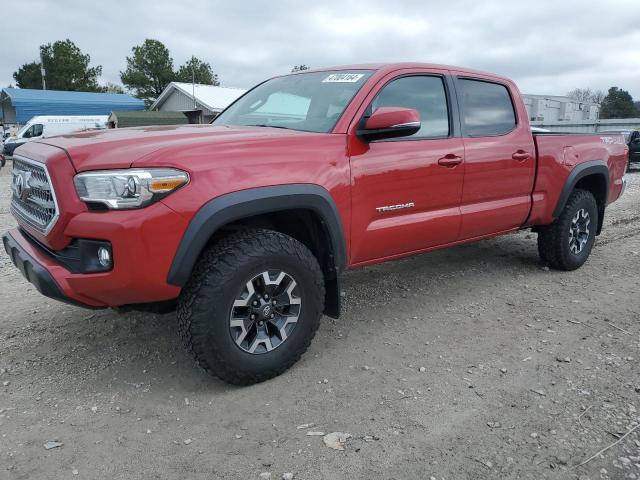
(33, 200)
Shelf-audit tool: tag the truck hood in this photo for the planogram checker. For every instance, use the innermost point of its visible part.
(126, 147)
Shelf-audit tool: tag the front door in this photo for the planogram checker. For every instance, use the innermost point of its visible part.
(406, 191)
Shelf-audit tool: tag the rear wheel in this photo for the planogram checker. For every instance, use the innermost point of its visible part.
(252, 306)
(567, 242)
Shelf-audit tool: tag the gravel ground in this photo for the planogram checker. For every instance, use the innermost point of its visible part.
(469, 363)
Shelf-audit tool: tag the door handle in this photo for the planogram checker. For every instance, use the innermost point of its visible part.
(450, 160)
(520, 156)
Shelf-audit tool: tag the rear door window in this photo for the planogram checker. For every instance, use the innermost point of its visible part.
(487, 108)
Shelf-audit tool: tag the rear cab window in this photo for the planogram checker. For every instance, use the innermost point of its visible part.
(487, 108)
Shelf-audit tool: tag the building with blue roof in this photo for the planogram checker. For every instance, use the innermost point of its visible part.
(20, 104)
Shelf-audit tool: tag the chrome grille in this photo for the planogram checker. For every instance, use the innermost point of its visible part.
(33, 200)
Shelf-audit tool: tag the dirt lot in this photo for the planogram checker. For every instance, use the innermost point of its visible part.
(470, 363)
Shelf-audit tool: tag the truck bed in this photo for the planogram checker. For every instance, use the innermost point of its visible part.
(558, 154)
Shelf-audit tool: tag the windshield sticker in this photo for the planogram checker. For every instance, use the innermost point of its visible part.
(618, 140)
(343, 78)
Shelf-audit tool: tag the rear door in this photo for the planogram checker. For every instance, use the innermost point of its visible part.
(499, 157)
(406, 191)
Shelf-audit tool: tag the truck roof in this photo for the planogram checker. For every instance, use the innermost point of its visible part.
(390, 67)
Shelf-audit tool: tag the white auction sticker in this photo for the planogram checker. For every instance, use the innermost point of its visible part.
(343, 77)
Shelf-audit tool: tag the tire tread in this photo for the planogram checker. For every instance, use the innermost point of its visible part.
(551, 237)
(216, 266)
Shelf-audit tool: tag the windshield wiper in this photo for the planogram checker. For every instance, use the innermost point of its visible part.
(270, 126)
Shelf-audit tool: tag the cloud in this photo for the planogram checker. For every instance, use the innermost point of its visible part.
(546, 46)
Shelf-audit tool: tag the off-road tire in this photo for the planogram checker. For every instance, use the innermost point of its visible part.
(206, 301)
(553, 240)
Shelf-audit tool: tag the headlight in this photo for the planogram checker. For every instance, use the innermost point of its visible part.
(125, 189)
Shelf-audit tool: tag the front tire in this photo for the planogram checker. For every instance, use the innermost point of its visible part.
(252, 306)
(567, 242)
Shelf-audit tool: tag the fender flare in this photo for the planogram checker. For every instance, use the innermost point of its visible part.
(593, 167)
(246, 203)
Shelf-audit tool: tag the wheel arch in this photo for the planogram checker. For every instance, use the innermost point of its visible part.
(317, 224)
(592, 176)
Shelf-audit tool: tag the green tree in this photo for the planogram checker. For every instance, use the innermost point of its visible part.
(28, 76)
(299, 68)
(149, 70)
(67, 68)
(618, 104)
(198, 71)
(111, 87)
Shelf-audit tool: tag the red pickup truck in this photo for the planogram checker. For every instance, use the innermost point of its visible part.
(246, 224)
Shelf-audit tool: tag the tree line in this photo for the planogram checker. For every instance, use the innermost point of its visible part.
(616, 103)
(149, 70)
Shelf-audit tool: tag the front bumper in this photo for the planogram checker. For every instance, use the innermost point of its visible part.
(33, 271)
(143, 242)
(9, 148)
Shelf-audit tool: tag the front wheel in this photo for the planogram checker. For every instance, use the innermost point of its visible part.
(567, 242)
(252, 306)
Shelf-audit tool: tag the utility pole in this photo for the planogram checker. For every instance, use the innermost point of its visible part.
(193, 87)
(44, 83)
(193, 84)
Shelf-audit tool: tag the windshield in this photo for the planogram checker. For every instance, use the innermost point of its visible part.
(310, 102)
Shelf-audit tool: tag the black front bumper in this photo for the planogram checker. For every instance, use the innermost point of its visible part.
(9, 148)
(35, 273)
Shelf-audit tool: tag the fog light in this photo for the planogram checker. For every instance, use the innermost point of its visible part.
(104, 257)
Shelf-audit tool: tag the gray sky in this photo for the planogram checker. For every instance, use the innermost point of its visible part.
(547, 46)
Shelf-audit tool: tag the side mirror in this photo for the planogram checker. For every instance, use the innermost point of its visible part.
(390, 122)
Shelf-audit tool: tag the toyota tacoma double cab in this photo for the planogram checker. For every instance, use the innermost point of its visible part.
(245, 225)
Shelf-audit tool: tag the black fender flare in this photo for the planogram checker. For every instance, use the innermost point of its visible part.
(255, 201)
(593, 167)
